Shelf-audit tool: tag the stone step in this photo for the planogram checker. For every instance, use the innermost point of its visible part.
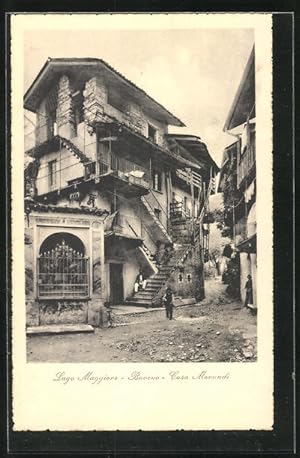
(136, 301)
(165, 269)
(155, 279)
(153, 288)
(143, 293)
(156, 286)
(161, 275)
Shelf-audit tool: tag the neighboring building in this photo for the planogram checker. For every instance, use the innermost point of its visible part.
(228, 172)
(241, 123)
(100, 194)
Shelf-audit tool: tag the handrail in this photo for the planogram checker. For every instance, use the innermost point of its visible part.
(146, 230)
(142, 227)
(193, 176)
(159, 204)
(161, 208)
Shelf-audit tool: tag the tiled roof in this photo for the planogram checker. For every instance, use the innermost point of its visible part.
(36, 206)
(56, 142)
(85, 62)
(193, 147)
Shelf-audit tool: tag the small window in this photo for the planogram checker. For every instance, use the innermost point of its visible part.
(90, 170)
(52, 173)
(156, 178)
(157, 213)
(189, 278)
(54, 128)
(180, 278)
(53, 123)
(152, 133)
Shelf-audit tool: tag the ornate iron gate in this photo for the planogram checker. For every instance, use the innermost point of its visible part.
(62, 273)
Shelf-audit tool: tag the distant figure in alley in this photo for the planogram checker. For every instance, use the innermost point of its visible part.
(249, 292)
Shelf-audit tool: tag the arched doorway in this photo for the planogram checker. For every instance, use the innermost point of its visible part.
(62, 268)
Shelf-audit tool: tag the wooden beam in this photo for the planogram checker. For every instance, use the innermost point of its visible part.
(108, 139)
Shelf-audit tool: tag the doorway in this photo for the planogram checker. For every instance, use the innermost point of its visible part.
(116, 283)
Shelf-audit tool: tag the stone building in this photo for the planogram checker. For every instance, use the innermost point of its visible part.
(102, 189)
(241, 123)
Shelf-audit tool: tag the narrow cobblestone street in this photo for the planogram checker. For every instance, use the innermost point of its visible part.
(215, 330)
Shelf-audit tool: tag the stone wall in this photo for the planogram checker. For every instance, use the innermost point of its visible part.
(32, 308)
(63, 312)
(65, 116)
(95, 99)
(188, 279)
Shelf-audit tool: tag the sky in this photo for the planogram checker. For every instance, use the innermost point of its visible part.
(194, 73)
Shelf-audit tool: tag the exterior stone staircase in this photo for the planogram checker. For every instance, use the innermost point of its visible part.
(149, 257)
(156, 220)
(181, 231)
(158, 281)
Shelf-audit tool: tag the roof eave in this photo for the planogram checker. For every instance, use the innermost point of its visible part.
(238, 94)
(172, 119)
(196, 138)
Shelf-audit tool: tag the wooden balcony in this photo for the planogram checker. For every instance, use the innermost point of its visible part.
(114, 171)
(190, 177)
(246, 164)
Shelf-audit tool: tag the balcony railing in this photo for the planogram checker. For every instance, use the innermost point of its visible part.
(119, 167)
(246, 163)
(184, 175)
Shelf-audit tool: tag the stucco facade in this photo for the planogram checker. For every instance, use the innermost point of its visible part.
(99, 191)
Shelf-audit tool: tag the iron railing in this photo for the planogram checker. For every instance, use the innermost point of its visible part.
(62, 273)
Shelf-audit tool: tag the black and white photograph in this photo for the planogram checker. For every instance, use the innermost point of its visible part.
(140, 190)
(142, 171)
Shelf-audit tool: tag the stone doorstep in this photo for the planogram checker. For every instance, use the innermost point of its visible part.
(59, 329)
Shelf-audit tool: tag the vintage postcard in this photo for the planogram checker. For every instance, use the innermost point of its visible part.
(142, 221)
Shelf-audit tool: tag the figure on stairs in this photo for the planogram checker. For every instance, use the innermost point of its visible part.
(140, 282)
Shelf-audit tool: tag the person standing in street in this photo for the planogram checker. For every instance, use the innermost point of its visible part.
(168, 301)
(249, 292)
